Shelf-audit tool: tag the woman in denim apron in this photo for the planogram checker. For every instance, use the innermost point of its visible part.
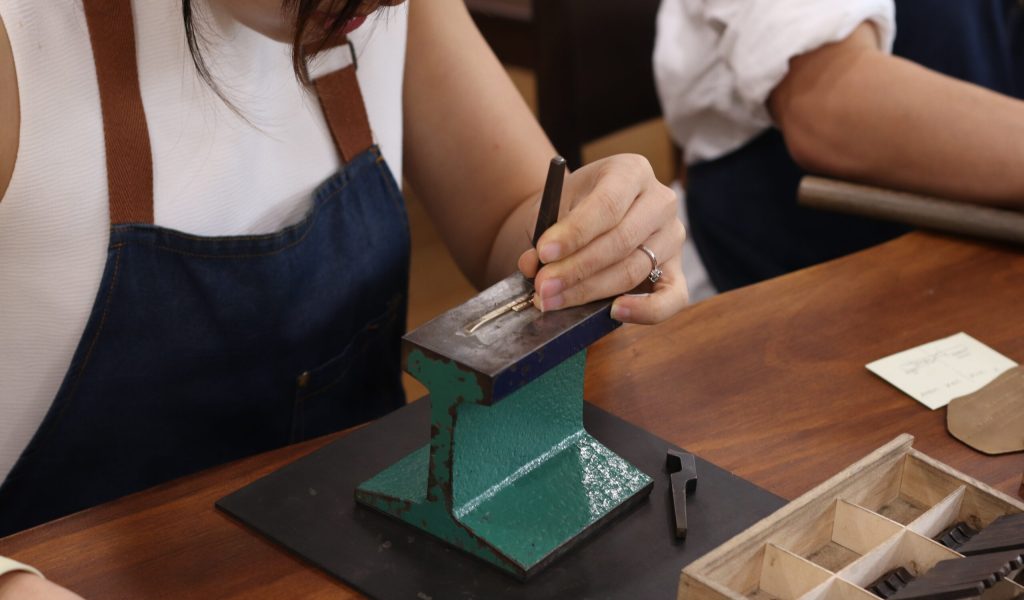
(201, 350)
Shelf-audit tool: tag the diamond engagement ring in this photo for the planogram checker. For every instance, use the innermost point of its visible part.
(655, 273)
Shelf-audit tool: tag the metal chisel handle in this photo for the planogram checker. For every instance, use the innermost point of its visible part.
(551, 199)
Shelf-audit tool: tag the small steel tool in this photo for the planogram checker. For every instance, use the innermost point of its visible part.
(966, 577)
(551, 200)
(683, 479)
(550, 203)
(956, 535)
(891, 582)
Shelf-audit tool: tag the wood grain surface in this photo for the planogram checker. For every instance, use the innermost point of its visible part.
(767, 381)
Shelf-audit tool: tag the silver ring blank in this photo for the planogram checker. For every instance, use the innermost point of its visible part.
(650, 255)
(655, 273)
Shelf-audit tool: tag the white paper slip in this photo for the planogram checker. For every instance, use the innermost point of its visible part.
(937, 372)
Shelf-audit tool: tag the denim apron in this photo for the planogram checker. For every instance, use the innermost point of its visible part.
(201, 350)
(742, 207)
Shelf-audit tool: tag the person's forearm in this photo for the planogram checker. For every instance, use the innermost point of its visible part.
(514, 236)
(851, 111)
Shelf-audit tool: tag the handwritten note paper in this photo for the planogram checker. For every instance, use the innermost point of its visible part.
(937, 372)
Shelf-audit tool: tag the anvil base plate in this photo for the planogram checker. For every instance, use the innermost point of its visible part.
(309, 509)
(523, 526)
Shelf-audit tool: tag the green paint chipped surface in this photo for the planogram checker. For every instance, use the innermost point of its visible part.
(406, 479)
(555, 502)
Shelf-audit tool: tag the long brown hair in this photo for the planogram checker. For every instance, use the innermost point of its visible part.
(303, 48)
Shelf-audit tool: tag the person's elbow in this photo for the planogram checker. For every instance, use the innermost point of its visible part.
(819, 137)
(823, 105)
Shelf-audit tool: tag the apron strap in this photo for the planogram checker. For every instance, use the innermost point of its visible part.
(129, 156)
(345, 111)
(125, 130)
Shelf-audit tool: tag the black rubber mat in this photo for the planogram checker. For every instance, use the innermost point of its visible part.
(308, 507)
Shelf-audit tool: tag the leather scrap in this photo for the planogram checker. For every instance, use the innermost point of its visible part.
(991, 420)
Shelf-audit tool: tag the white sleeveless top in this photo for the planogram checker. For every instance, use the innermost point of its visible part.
(214, 174)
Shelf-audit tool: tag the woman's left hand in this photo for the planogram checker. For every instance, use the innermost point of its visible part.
(593, 252)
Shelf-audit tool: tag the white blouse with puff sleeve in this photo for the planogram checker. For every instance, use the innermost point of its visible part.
(717, 61)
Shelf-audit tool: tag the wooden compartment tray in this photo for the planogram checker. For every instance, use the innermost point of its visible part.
(831, 543)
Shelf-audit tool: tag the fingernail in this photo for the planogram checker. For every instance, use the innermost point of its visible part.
(620, 313)
(550, 288)
(550, 252)
(552, 303)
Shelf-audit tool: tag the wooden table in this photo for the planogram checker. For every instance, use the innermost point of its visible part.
(767, 381)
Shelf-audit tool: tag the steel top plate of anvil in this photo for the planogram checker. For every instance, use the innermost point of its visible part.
(516, 348)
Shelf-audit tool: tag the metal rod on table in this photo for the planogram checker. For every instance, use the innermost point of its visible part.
(919, 211)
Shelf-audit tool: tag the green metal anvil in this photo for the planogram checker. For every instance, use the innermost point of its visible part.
(510, 474)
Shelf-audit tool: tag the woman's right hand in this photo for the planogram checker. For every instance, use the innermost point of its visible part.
(21, 585)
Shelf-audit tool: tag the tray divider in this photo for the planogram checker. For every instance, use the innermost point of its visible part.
(881, 489)
(788, 576)
(925, 481)
(838, 589)
(909, 550)
(940, 516)
(860, 529)
(997, 502)
(979, 509)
